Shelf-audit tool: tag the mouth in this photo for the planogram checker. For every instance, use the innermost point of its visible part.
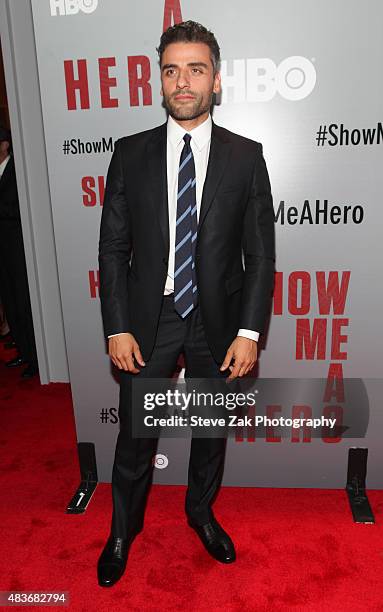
(184, 97)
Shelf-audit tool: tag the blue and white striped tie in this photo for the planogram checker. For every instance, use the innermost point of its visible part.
(185, 283)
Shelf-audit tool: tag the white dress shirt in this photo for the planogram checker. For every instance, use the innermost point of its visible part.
(200, 145)
(3, 164)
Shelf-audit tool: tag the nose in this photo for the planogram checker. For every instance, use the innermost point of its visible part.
(182, 80)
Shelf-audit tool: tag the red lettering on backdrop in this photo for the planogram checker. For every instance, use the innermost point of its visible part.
(331, 412)
(94, 283)
(172, 8)
(106, 82)
(307, 342)
(335, 386)
(301, 412)
(278, 293)
(136, 82)
(90, 195)
(311, 342)
(101, 189)
(80, 84)
(88, 184)
(139, 73)
(337, 339)
(332, 294)
(303, 278)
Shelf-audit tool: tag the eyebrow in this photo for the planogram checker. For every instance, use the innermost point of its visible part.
(193, 64)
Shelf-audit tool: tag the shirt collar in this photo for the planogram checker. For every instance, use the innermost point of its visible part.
(200, 135)
(4, 163)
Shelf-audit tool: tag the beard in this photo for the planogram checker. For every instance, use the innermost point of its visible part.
(192, 109)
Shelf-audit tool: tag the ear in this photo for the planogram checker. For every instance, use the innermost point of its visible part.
(217, 83)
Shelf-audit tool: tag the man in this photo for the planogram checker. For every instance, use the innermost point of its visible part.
(14, 286)
(181, 202)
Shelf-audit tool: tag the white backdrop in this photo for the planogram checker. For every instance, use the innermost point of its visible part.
(301, 78)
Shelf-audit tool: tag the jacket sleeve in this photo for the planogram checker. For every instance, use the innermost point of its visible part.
(114, 251)
(258, 244)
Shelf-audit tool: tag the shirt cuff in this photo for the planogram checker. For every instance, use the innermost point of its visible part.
(119, 334)
(249, 333)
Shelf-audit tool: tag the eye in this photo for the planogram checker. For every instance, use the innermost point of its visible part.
(170, 71)
(196, 70)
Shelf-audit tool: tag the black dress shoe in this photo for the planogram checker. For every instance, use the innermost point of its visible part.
(112, 561)
(216, 541)
(30, 370)
(17, 361)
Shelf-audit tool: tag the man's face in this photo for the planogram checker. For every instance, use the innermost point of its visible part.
(4, 146)
(187, 80)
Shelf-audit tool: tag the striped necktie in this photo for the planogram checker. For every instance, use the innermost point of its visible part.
(185, 283)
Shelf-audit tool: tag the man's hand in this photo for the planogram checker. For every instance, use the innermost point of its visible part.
(121, 351)
(244, 352)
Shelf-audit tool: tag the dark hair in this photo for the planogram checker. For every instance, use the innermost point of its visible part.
(191, 31)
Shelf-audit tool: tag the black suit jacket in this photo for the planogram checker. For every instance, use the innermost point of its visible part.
(9, 199)
(236, 213)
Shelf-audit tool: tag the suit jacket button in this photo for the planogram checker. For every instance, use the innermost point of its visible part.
(165, 260)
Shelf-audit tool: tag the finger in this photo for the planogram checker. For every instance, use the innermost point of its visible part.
(127, 363)
(131, 367)
(235, 371)
(242, 371)
(138, 356)
(229, 378)
(116, 360)
(248, 369)
(226, 361)
(251, 366)
(115, 357)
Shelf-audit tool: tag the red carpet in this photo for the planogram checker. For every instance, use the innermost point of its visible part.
(297, 549)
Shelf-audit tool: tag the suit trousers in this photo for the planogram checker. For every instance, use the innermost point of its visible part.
(133, 462)
(14, 289)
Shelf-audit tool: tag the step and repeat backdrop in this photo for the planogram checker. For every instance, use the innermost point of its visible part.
(302, 78)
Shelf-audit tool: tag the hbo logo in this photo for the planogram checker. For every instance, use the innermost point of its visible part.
(72, 7)
(259, 79)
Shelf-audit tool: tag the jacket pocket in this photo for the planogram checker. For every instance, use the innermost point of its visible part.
(234, 283)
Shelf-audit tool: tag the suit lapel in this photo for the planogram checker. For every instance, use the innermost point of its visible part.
(219, 154)
(157, 185)
(6, 173)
